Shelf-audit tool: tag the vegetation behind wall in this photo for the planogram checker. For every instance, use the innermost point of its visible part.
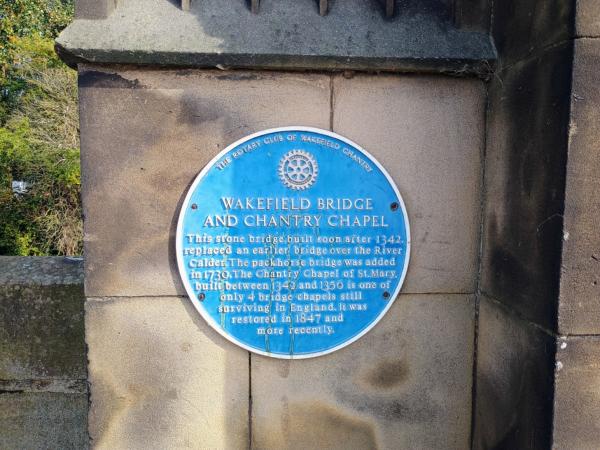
(40, 208)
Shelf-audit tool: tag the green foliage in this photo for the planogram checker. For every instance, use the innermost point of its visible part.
(47, 218)
(38, 133)
(41, 19)
(45, 18)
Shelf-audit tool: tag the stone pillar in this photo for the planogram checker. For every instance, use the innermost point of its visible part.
(94, 9)
(538, 339)
(499, 308)
(526, 152)
(160, 376)
(577, 398)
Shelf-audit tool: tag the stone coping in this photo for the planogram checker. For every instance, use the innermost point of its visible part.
(40, 270)
(284, 35)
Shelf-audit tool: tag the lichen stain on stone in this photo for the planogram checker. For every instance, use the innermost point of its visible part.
(387, 374)
(315, 425)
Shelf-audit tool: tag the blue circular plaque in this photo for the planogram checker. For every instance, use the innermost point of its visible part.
(293, 242)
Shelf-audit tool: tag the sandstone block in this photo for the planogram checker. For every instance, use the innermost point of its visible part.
(515, 365)
(145, 135)
(587, 19)
(577, 394)
(41, 319)
(524, 185)
(43, 420)
(405, 384)
(522, 28)
(428, 133)
(579, 307)
(160, 377)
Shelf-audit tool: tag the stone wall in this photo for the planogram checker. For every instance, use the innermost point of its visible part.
(577, 390)
(526, 155)
(540, 295)
(43, 386)
(161, 377)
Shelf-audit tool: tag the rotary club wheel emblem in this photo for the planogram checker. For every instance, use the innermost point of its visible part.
(298, 169)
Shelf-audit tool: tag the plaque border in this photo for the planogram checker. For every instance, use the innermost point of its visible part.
(179, 250)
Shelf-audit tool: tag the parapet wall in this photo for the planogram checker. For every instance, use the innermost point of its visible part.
(43, 386)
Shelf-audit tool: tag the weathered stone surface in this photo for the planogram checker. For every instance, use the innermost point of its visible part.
(57, 385)
(523, 28)
(145, 135)
(40, 421)
(286, 34)
(579, 308)
(473, 14)
(428, 133)
(94, 9)
(192, 115)
(40, 271)
(41, 319)
(515, 364)
(587, 20)
(162, 378)
(405, 384)
(577, 394)
(524, 184)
